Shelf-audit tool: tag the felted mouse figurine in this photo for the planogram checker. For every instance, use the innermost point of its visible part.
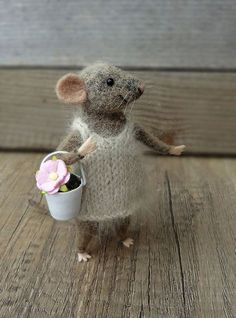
(114, 171)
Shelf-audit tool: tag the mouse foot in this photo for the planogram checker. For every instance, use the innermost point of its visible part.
(83, 257)
(128, 242)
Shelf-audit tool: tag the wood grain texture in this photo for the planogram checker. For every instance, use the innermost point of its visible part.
(182, 263)
(196, 109)
(158, 33)
(203, 212)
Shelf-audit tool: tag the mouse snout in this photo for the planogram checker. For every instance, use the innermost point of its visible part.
(141, 89)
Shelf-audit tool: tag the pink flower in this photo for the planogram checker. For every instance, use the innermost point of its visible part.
(52, 175)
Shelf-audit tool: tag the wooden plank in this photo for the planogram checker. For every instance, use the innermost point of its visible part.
(197, 109)
(40, 275)
(202, 197)
(182, 263)
(135, 33)
(16, 188)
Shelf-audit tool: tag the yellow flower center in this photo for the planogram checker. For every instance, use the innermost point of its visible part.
(53, 176)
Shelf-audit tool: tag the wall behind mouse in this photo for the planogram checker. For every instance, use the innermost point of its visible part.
(184, 50)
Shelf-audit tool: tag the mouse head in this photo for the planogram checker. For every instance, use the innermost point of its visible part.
(100, 88)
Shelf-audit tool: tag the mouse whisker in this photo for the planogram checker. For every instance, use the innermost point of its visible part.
(131, 107)
(124, 98)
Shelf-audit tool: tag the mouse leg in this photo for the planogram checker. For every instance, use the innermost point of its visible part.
(122, 229)
(86, 231)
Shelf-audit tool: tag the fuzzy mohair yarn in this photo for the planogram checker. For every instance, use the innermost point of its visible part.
(116, 180)
(114, 175)
(104, 98)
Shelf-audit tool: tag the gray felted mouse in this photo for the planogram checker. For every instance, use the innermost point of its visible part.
(114, 171)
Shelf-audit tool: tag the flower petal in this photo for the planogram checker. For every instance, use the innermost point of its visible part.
(54, 191)
(41, 176)
(62, 168)
(39, 186)
(49, 186)
(65, 179)
(49, 165)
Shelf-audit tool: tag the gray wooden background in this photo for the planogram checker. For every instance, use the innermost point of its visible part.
(185, 51)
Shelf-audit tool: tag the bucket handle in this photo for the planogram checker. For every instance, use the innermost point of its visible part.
(63, 152)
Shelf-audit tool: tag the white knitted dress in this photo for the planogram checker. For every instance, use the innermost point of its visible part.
(114, 175)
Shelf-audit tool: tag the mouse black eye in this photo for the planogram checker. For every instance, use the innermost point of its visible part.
(110, 81)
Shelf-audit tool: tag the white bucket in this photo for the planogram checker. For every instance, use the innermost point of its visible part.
(64, 206)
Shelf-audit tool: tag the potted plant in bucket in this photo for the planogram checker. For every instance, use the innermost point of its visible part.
(62, 185)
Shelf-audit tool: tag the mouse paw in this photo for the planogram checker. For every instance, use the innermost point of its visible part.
(83, 257)
(176, 150)
(128, 242)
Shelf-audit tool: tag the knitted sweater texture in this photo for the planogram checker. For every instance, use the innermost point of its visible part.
(114, 175)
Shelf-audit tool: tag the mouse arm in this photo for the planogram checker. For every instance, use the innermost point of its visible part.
(155, 143)
(76, 150)
(70, 143)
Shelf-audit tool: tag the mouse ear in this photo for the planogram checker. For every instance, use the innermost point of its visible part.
(71, 89)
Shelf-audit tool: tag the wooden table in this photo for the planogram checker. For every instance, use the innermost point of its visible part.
(183, 262)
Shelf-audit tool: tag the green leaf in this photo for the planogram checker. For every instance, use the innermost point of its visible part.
(63, 188)
(43, 192)
(54, 158)
(70, 169)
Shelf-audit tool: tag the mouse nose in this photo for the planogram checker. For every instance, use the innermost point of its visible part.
(141, 89)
